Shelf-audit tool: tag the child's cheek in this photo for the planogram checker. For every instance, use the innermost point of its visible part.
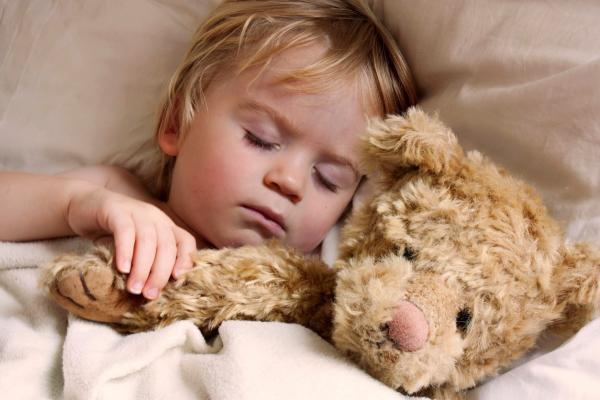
(312, 228)
(222, 173)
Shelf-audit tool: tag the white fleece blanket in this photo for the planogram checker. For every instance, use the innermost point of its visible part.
(45, 354)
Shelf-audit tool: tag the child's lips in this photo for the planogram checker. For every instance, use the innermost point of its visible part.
(270, 220)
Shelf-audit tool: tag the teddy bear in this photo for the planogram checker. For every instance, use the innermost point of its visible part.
(446, 275)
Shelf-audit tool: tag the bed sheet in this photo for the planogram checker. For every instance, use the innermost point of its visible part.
(47, 354)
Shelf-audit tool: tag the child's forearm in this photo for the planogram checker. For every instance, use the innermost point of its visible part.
(35, 206)
(94, 202)
(113, 178)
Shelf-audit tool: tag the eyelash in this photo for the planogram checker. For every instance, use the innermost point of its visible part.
(257, 142)
(328, 185)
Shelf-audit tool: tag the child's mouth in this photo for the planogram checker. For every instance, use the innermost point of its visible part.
(268, 219)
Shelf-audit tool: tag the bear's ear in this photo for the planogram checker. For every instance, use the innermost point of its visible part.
(413, 141)
(576, 281)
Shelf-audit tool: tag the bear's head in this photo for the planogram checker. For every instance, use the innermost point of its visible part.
(454, 268)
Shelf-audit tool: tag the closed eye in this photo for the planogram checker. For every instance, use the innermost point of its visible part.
(259, 143)
(325, 182)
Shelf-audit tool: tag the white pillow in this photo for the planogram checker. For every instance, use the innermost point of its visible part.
(569, 372)
(519, 81)
(81, 80)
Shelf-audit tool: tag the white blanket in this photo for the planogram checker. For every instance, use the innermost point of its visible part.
(45, 354)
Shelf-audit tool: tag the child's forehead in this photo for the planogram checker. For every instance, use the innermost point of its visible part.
(278, 77)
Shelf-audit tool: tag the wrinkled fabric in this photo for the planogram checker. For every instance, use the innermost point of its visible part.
(47, 354)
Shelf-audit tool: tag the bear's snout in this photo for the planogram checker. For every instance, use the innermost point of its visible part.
(408, 328)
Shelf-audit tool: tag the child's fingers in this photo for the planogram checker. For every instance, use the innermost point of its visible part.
(123, 230)
(186, 244)
(143, 257)
(164, 260)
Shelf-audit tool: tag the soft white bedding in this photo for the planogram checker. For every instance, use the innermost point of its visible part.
(80, 81)
(568, 372)
(45, 354)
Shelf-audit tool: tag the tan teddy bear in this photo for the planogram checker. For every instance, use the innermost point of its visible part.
(448, 274)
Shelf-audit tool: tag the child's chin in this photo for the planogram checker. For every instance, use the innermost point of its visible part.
(252, 237)
(245, 237)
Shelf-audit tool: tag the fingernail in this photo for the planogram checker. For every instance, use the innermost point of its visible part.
(126, 266)
(151, 293)
(136, 288)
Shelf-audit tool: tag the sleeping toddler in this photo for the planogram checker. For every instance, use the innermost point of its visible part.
(257, 138)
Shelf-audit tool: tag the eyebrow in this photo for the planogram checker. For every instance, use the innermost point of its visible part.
(284, 124)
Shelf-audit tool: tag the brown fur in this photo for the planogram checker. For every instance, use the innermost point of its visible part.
(446, 231)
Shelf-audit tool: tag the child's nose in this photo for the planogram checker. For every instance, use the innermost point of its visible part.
(287, 179)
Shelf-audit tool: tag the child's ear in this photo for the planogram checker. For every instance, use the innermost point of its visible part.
(169, 138)
(414, 140)
(577, 286)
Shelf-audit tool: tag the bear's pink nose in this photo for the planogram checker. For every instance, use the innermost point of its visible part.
(408, 328)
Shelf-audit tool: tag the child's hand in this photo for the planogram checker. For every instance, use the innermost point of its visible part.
(148, 244)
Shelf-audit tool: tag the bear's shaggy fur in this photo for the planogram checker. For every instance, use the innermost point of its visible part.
(449, 273)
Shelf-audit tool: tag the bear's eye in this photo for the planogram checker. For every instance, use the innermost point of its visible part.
(463, 319)
(409, 253)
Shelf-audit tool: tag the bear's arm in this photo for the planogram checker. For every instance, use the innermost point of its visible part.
(267, 283)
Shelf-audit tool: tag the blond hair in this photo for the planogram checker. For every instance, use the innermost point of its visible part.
(248, 33)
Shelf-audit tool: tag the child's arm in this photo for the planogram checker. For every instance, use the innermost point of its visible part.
(34, 206)
(116, 179)
(148, 243)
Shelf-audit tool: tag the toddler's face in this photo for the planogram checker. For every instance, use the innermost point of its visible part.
(262, 160)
